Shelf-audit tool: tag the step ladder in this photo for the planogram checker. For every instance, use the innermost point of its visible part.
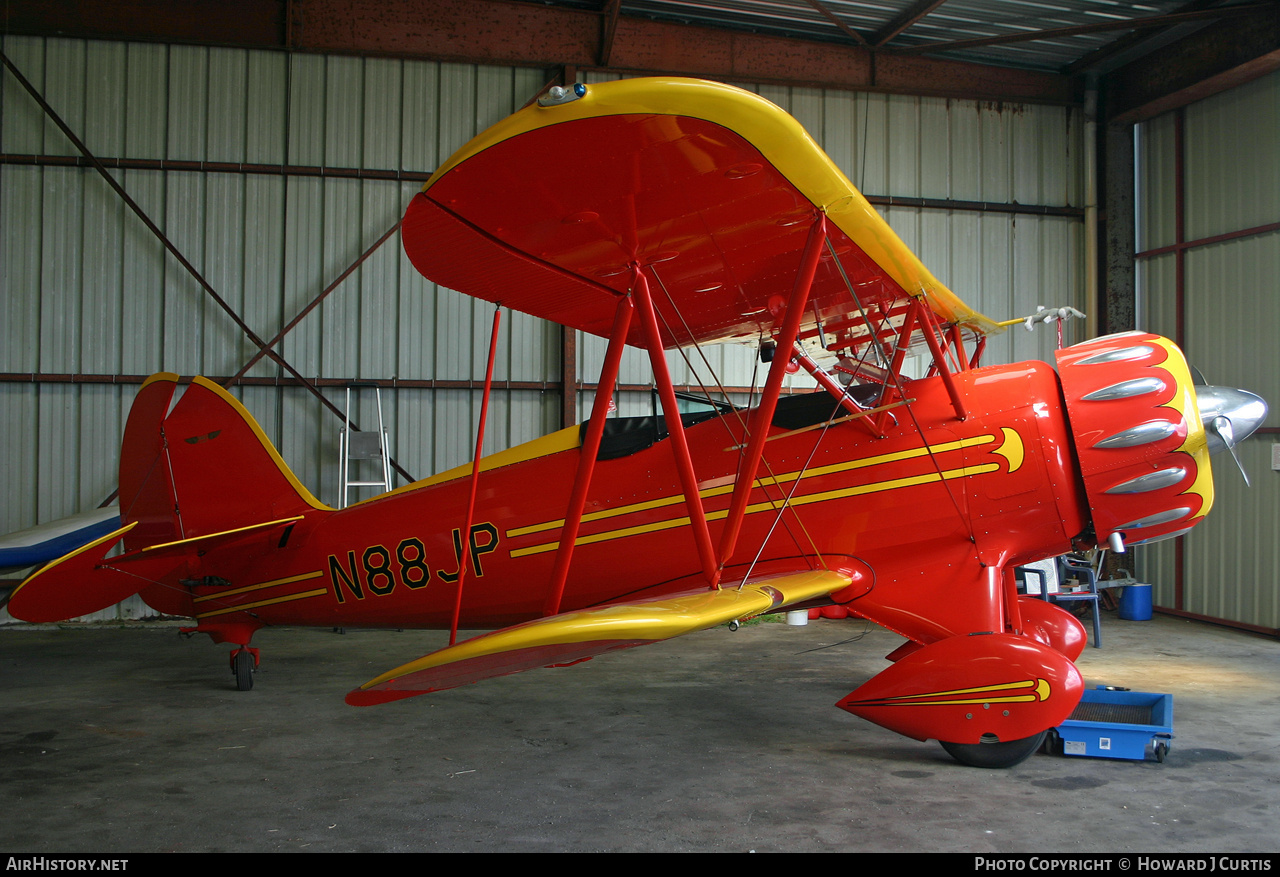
(362, 447)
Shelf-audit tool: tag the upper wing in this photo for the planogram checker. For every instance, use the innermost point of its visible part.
(575, 636)
(711, 188)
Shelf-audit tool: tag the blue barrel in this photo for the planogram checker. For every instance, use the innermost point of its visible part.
(1135, 603)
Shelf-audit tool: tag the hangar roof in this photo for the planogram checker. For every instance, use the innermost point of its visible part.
(1149, 56)
(1064, 36)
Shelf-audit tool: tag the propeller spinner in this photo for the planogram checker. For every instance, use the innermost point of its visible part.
(1229, 416)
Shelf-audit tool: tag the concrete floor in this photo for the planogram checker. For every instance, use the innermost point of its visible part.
(132, 740)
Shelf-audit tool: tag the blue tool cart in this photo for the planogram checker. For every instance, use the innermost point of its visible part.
(1116, 723)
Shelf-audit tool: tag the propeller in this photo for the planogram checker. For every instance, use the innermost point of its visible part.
(1229, 416)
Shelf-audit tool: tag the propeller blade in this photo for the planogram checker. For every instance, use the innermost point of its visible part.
(1222, 426)
(1240, 466)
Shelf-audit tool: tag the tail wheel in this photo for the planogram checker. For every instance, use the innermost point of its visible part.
(242, 664)
(995, 753)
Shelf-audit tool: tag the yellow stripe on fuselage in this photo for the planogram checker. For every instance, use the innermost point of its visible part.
(976, 690)
(827, 496)
(786, 478)
(259, 587)
(287, 598)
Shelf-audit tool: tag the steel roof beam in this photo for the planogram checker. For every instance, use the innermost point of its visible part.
(1102, 27)
(904, 20)
(1098, 57)
(1212, 60)
(531, 35)
(831, 17)
(608, 29)
(216, 22)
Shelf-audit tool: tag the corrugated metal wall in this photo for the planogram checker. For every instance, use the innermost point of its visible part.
(87, 290)
(1230, 314)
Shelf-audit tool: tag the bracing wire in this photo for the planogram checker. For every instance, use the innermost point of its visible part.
(786, 503)
(926, 325)
(772, 477)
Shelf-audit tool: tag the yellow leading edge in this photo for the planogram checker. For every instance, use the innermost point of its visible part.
(644, 621)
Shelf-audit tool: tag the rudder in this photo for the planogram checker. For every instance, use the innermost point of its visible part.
(202, 466)
(146, 493)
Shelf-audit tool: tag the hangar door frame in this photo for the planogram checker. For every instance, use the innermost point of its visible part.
(1208, 241)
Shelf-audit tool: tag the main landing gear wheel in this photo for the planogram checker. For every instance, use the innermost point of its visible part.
(994, 754)
(242, 666)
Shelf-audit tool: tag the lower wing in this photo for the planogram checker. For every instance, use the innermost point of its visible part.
(576, 636)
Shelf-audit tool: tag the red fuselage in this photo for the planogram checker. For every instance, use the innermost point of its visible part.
(1000, 482)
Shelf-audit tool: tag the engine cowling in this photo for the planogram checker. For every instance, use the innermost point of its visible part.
(1140, 440)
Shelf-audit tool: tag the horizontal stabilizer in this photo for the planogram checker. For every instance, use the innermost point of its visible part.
(223, 539)
(74, 585)
(576, 636)
(84, 581)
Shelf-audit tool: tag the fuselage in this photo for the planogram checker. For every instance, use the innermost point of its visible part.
(915, 505)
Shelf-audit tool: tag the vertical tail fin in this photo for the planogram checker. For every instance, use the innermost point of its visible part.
(199, 467)
(202, 466)
(146, 493)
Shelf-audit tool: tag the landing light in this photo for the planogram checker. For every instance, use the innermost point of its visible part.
(559, 95)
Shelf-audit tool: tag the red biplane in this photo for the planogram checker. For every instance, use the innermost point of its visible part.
(691, 213)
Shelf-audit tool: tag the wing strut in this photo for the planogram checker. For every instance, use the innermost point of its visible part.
(957, 341)
(475, 476)
(763, 413)
(825, 380)
(928, 329)
(899, 355)
(587, 459)
(675, 428)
